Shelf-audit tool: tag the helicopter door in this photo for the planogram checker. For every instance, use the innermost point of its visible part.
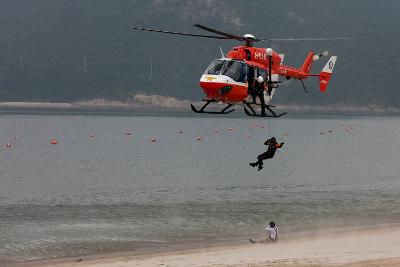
(252, 76)
(253, 71)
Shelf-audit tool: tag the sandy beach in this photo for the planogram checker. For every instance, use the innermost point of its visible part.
(364, 247)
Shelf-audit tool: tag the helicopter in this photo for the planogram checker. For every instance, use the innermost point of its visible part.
(231, 79)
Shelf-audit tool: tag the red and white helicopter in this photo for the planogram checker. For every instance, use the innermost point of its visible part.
(230, 79)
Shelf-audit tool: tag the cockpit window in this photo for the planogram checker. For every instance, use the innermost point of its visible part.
(234, 69)
(215, 67)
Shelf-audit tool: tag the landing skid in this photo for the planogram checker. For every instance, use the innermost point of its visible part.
(249, 110)
(201, 110)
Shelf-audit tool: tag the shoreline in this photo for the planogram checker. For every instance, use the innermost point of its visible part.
(353, 247)
(183, 106)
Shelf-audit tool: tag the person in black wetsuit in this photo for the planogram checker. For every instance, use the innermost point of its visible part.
(257, 88)
(272, 147)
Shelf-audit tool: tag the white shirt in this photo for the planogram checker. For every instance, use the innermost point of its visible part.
(272, 232)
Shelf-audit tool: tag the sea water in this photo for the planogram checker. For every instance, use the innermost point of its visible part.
(101, 189)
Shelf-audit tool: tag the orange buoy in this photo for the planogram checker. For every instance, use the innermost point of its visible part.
(8, 145)
(153, 140)
(53, 142)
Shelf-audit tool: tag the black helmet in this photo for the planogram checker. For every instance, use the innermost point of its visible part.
(272, 224)
(273, 139)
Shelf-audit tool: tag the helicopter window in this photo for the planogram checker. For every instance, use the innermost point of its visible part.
(215, 67)
(248, 54)
(235, 70)
(262, 72)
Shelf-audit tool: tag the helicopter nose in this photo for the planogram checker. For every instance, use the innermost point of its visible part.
(222, 88)
(215, 89)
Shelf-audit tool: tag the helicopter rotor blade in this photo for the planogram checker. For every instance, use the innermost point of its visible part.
(311, 39)
(226, 35)
(179, 33)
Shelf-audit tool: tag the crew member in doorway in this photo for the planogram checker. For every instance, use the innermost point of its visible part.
(259, 86)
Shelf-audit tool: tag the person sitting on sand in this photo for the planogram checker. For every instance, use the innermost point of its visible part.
(272, 234)
(272, 147)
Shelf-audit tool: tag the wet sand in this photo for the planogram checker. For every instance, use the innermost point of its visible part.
(375, 246)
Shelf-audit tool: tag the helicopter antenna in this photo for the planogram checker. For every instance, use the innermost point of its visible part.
(222, 52)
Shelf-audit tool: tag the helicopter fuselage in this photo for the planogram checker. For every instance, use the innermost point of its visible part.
(227, 79)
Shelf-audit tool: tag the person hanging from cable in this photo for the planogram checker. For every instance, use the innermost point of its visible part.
(272, 147)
